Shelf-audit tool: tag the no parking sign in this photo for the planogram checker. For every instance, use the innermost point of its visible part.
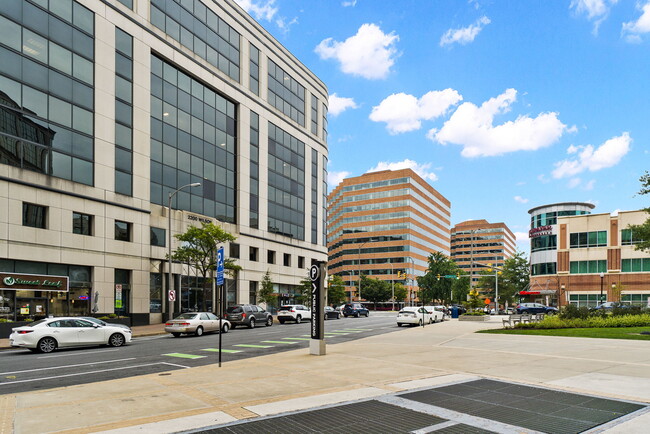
(172, 295)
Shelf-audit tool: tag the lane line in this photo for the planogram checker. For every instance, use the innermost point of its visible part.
(75, 353)
(253, 346)
(174, 364)
(67, 366)
(79, 373)
(299, 339)
(183, 356)
(216, 350)
(279, 342)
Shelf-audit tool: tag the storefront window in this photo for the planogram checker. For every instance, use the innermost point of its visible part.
(155, 292)
(122, 291)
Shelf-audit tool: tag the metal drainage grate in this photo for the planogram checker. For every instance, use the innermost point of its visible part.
(528, 407)
(362, 417)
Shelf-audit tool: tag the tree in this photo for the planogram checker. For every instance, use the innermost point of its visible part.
(432, 288)
(304, 297)
(642, 232)
(513, 277)
(400, 292)
(460, 288)
(266, 294)
(335, 290)
(375, 290)
(199, 249)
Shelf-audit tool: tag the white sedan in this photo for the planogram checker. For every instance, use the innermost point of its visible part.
(196, 323)
(414, 315)
(48, 334)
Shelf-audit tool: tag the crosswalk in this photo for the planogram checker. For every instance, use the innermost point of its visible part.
(238, 348)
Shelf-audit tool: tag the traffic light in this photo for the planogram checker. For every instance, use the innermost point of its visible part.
(399, 274)
(457, 274)
(438, 276)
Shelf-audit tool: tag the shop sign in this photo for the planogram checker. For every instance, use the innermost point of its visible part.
(540, 231)
(33, 282)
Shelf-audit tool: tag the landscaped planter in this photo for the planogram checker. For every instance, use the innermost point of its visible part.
(5, 327)
(474, 318)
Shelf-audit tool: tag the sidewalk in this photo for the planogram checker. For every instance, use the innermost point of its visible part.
(364, 368)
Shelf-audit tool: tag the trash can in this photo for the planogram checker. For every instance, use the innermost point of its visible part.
(454, 312)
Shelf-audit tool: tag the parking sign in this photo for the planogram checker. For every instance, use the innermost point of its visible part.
(220, 260)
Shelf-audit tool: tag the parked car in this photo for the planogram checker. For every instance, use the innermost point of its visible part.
(196, 323)
(331, 313)
(104, 323)
(437, 315)
(536, 308)
(355, 310)
(293, 312)
(248, 315)
(443, 309)
(461, 308)
(46, 335)
(610, 305)
(414, 315)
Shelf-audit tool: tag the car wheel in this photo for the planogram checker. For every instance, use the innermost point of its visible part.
(298, 319)
(251, 324)
(47, 345)
(399, 324)
(269, 321)
(199, 331)
(338, 316)
(281, 321)
(224, 328)
(367, 314)
(176, 335)
(356, 315)
(233, 325)
(116, 340)
(420, 323)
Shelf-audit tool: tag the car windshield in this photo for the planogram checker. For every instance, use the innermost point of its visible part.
(186, 316)
(32, 324)
(234, 309)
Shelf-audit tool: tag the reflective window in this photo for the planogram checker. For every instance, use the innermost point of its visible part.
(81, 223)
(286, 94)
(34, 215)
(122, 231)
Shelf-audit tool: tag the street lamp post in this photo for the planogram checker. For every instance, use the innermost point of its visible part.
(407, 274)
(359, 266)
(392, 282)
(602, 278)
(169, 247)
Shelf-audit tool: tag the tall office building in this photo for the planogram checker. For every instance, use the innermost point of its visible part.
(111, 106)
(382, 223)
(481, 243)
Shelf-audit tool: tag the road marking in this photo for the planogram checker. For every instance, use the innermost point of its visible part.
(357, 330)
(79, 373)
(174, 364)
(67, 366)
(183, 356)
(253, 346)
(299, 339)
(337, 333)
(278, 342)
(216, 350)
(76, 353)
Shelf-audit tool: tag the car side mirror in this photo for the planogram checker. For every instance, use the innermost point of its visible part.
(96, 326)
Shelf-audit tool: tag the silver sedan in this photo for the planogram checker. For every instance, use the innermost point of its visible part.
(196, 323)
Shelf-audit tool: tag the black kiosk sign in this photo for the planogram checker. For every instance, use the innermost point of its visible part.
(317, 308)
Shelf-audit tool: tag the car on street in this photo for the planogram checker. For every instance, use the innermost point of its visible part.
(355, 310)
(414, 315)
(293, 312)
(436, 312)
(104, 323)
(46, 335)
(196, 323)
(443, 309)
(331, 313)
(536, 308)
(248, 315)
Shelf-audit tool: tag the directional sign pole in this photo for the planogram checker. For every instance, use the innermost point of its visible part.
(317, 277)
(220, 262)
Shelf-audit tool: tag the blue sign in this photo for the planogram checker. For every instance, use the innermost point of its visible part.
(220, 260)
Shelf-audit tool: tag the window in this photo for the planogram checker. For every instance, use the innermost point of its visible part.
(234, 250)
(584, 300)
(158, 236)
(544, 242)
(543, 268)
(252, 253)
(82, 223)
(635, 265)
(34, 215)
(252, 292)
(635, 299)
(301, 262)
(122, 231)
(584, 267)
(270, 257)
(628, 238)
(588, 239)
(287, 260)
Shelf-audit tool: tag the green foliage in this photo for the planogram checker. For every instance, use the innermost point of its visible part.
(572, 311)
(3, 320)
(434, 289)
(375, 290)
(513, 277)
(556, 322)
(304, 297)
(474, 301)
(474, 313)
(335, 290)
(642, 231)
(460, 288)
(265, 293)
(400, 292)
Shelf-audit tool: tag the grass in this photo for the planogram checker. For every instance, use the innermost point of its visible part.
(600, 332)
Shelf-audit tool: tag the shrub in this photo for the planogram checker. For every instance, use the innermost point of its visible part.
(474, 313)
(572, 311)
(595, 321)
(5, 320)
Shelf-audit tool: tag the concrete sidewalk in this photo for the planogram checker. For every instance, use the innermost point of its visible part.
(364, 368)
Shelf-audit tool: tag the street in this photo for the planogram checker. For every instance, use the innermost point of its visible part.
(24, 371)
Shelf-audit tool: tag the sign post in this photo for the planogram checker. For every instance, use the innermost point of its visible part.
(317, 277)
(220, 267)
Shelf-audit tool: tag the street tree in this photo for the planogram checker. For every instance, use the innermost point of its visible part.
(434, 288)
(304, 297)
(400, 292)
(460, 288)
(199, 249)
(642, 232)
(335, 290)
(266, 294)
(513, 277)
(375, 290)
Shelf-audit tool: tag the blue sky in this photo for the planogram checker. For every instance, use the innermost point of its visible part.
(501, 105)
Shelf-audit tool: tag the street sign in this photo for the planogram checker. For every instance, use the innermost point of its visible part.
(450, 276)
(172, 295)
(220, 260)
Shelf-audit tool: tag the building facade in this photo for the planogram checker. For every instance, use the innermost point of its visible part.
(384, 225)
(111, 106)
(479, 243)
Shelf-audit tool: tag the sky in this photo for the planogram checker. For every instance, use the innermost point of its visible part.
(501, 105)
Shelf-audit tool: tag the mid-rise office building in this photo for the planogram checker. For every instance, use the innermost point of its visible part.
(478, 243)
(111, 106)
(384, 223)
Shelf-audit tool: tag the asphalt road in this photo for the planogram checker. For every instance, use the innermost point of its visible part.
(22, 370)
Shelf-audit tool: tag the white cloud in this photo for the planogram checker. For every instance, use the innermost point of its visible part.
(520, 199)
(261, 10)
(351, 3)
(543, 179)
(522, 237)
(421, 169)
(606, 155)
(338, 104)
(402, 112)
(335, 178)
(615, 212)
(633, 30)
(589, 185)
(464, 35)
(369, 54)
(595, 10)
(574, 182)
(472, 127)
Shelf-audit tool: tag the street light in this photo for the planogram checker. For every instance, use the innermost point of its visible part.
(392, 282)
(407, 274)
(169, 247)
(602, 278)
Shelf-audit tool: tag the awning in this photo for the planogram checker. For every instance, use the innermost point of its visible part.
(540, 292)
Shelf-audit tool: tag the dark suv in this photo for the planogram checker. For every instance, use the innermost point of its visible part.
(355, 309)
(248, 315)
